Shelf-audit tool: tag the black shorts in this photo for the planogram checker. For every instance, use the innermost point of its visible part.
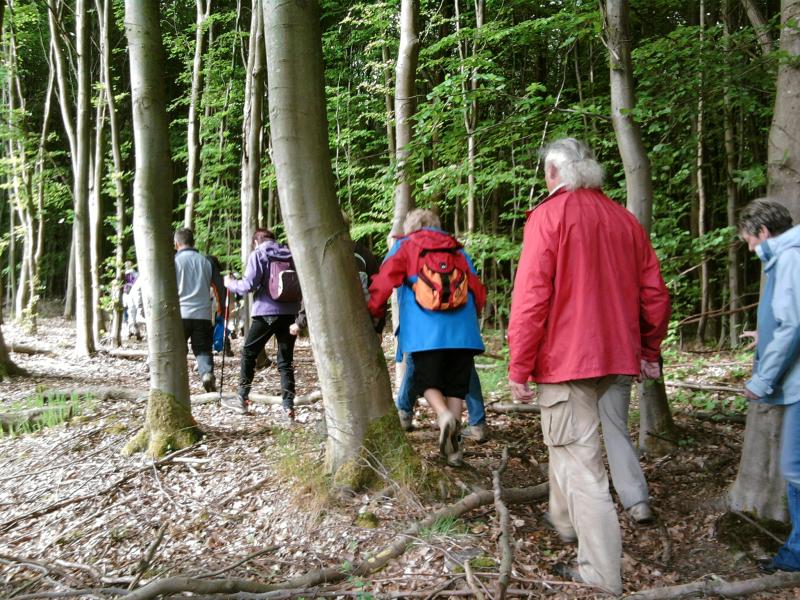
(445, 370)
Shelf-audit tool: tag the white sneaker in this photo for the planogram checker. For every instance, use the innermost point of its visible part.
(642, 513)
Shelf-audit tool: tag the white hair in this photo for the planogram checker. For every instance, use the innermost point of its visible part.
(575, 163)
(419, 218)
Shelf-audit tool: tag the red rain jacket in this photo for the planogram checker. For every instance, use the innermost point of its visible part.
(588, 298)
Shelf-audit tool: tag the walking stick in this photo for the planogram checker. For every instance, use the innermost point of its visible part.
(224, 339)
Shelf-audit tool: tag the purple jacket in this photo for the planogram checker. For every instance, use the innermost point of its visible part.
(256, 280)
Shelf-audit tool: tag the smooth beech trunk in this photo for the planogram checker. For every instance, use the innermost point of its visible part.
(405, 106)
(759, 487)
(84, 340)
(104, 18)
(352, 371)
(193, 132)
(251, 137)
(96, 221)
(759, 25)
(656, 426)
(168, 420)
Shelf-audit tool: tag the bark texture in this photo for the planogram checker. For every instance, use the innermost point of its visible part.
(759, 487)
(84, 339)
(350, 362)
(168, 419)
(656, 425)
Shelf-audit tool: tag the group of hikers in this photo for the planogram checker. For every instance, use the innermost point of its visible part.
(589, 311)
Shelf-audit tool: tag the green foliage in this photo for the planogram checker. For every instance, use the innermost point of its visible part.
(41, 411)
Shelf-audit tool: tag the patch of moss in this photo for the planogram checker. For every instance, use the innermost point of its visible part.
(367, 520)
(169, 425)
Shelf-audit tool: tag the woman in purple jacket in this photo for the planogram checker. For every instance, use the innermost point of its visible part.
(270, 317)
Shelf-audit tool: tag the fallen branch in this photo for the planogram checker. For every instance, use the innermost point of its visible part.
(98, 393)
(144, 564)
(470, 577)
(30, 350)
(505, 530)
(302, 400)
(704, 387)
(509, 407)
(8, 525)
(33, 417)
(175, 585)
(720, 587)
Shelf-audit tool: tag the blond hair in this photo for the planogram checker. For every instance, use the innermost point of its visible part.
(419, 218)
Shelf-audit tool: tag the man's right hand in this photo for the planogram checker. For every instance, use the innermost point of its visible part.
(650, 369)
(520, 391)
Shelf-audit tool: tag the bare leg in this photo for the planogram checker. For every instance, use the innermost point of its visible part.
(436, 400)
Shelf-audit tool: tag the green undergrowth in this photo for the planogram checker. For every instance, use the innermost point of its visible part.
(42, 411)
(298, 454)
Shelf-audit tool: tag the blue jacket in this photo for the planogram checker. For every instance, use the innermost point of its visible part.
(422, 329)
(776, 371)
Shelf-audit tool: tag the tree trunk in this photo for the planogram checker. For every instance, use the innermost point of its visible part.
(352, 371)
(387, 82)
(104, 18)
(759, 26)
(7, 366)
(701, 194)
(404, 109)
(251, 138)
(193, 133)
(84, 341)
(784, 134)
(96, 221)
(656, 423)
(168, 419)
(69, 293)
(759, 485)
(732, 197)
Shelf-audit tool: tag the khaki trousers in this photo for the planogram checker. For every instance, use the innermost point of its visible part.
(580, 501)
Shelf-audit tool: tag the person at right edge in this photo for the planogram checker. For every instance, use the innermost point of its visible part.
(766, 226)
(589, 304)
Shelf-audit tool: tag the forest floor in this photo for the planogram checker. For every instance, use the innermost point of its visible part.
(77, 515)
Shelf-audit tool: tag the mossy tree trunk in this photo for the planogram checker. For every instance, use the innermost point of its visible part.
(352, 369)
(168, 418)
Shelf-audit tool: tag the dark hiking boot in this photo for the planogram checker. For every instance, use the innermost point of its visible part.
(237, 404)
(209, 382)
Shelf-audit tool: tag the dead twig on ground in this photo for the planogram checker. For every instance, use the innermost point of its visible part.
(239, 563)
(144, 563)
(705, 387)
(377, 561)
(471, 581)
(720, 587)
(758, 526)
(505, 529)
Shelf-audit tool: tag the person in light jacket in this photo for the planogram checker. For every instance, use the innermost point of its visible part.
(766, 226)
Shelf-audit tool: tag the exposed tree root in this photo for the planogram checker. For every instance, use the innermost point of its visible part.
(719, 587)
(174, 585)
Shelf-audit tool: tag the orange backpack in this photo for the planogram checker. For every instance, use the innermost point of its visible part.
(442, 278)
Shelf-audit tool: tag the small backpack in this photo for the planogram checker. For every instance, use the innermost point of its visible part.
(284, 285)
(442, 278)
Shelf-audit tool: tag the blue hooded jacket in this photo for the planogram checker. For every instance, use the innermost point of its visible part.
(776, 371)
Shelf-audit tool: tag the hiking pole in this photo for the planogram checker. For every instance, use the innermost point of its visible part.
(224, 339)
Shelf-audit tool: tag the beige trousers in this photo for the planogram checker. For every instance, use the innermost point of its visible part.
(580, 501)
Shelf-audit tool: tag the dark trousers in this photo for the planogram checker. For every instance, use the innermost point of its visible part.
(261, 329)
(200, 332)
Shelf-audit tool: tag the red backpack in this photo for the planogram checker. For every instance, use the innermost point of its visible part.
(443, 276)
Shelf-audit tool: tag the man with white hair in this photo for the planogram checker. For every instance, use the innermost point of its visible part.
(589, 304)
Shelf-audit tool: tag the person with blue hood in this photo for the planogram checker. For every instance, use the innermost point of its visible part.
(766, 227)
